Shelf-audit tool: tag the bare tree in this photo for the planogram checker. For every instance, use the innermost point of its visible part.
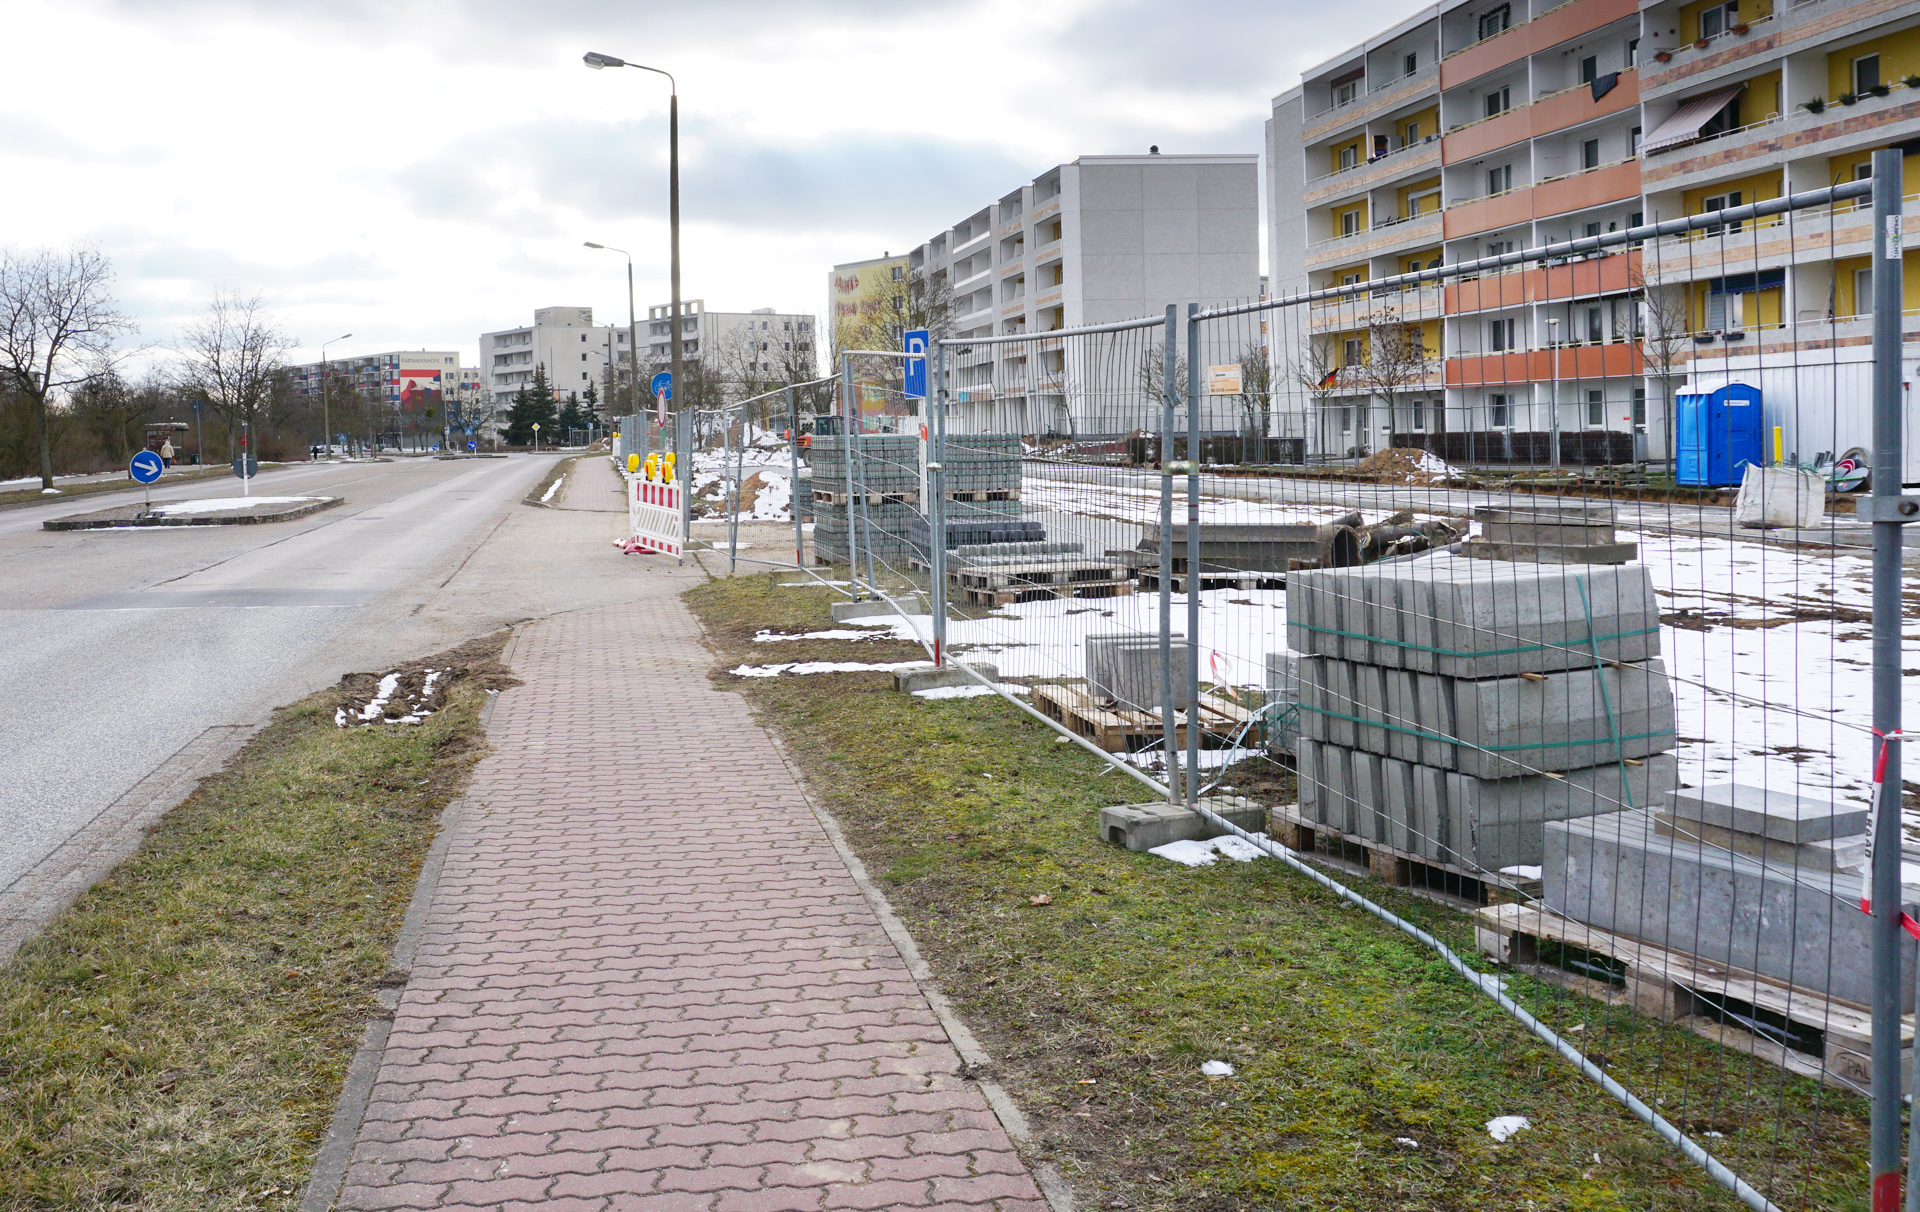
(231, 356)
(110, 408)
(1397, 359)
(1256, 389)
(1663, 338)
(1316, 371)
(58, 326)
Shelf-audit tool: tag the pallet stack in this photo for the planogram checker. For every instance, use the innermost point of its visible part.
(1450, 707)
(889, 474)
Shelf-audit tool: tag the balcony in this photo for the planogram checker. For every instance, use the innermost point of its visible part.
(1400, 162)
(1617, 360)
(1390, 235)
(1555, 112)
(1545, 31)
(1615, 182)
(1791, 27)
(1609, 275)
(1388, 96)
(1801, 133)
(1409, 303)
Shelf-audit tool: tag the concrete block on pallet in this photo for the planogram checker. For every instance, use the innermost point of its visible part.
(1767, 812)
(1437, 720)
(1367, 816)
(1283, 697)
(1562, 720)
(912, 680)
(1144, 826)
(1615, 872)
(1401, 807)
(1125, 668)
(1307, 780)
(844, 612)
(1496, 823)
(1429, 828)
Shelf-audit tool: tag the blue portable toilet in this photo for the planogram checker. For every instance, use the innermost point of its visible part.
(1717, 433)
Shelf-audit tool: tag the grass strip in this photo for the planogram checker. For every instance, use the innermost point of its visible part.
(548, 483)
(177, 1038)
(1366, 1072)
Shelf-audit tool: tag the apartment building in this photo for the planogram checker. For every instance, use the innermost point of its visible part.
(1477, 127)
(407, 383)
(565, 340)
(1100, 239)
(753, 345)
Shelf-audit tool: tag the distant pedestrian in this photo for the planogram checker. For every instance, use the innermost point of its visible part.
(166, 452)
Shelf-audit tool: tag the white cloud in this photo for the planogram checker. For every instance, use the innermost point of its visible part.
(419, 172)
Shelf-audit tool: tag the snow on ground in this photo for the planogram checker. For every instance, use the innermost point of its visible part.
(1205, 853)
(218, 504)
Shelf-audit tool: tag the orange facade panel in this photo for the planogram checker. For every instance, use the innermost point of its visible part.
(1582, 279)
(1614, 183)
(1549, 29)
(1619, 361)
(1555, 113)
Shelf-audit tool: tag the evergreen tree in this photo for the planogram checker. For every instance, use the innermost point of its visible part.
(570, 415)
(590, 406)
(533, 405)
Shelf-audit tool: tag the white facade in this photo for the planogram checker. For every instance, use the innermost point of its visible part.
(1103, 238)
(565, 340)
(776, 337)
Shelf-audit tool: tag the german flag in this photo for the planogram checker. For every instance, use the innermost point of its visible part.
(1331, 376)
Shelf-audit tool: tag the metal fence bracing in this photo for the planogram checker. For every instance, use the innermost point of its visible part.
(1525, 584)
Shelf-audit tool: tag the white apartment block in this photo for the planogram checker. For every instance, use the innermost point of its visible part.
(1103, 238)
(565, 340)
(1477, 127)
(776, 338)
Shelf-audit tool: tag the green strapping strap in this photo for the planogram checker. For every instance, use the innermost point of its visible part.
(1606, 699)
(1615, 738)
(1450, 652)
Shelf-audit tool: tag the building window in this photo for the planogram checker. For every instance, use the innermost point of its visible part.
(1349, 222)
(1419, 414)
(1639, 406)
(1633, 52)
(1633, 142)
(1346, 420)
(1863, 292)
(1589, 68)
(1500, 335)
(1596, 407)
(1500, 180)
(1866, 73)
(898, 273)
(1344, 94)
(1410, 64)
(1500, 100)
(1350, 350)
(1590, 154)
(1596, 331)
(1495, 21)
(1720, 202)
(1714, 21)
(1349, 156)
(1499, 411)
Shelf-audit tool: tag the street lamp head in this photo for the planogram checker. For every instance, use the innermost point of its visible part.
(596, 60)
(591, 244)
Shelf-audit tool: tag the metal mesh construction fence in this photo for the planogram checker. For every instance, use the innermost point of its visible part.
(1528, 585)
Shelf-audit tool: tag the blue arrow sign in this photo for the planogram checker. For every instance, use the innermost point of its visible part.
(146, 467)
(662, 381)
(914, 345)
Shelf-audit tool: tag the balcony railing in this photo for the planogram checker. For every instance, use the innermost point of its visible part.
(1382, 225)
(1432, 140)
(1361, 96)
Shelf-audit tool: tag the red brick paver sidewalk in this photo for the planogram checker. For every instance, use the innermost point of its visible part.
(649, 982)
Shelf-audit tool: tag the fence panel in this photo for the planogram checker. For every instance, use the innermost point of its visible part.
(1449, 567)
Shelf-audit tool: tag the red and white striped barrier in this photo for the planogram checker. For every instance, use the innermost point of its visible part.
(654, 513)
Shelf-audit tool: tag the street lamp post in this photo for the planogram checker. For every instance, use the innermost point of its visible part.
(326, 416)
(633, 332)
(596, 61)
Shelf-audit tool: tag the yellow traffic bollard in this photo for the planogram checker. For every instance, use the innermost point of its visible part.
(653, 467)
(633, 464)
(666, 468)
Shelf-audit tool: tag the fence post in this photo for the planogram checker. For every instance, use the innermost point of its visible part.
(937, 514)
(1193, 553)
(1170, 363)
(733, 511)
(1885, 832)
(846, 458)
(793, 480)
(683, 472)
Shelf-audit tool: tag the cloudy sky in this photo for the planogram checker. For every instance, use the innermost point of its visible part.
(416, 173)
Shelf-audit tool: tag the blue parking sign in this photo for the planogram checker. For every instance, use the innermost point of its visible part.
(914, 344)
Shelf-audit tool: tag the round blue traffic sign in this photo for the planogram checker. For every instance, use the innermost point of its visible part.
(662, 381)
(472, 446)
(146, 467)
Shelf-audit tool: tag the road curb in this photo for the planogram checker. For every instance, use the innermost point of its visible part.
(94, 520)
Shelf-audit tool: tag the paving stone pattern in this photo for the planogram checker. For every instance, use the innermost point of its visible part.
(649, 982)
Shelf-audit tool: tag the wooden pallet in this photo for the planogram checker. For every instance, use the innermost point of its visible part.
(872, 498)
(994, 598)
(1686, 990)
(1455, 885)
(1150, 580)
(977, 495)
(1118, 730)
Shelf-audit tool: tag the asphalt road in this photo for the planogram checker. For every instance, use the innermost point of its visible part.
(123, 646)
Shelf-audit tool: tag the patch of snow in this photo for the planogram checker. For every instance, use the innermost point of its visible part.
(1502, 1127)
(1216, 1069)
(770, 637)
(970, 692)
(774, 671)
(1524, 871)
(1192, 853)
(1406, 1142)
(220, 504)
(551, 489)
(373, 709)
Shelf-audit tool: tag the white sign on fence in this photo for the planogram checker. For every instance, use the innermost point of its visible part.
(654, 513)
